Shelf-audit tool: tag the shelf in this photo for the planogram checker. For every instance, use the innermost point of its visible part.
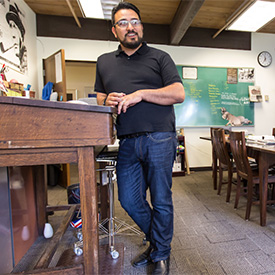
(181, 141)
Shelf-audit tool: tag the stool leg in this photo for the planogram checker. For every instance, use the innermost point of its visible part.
(111, 221)
(113, 252)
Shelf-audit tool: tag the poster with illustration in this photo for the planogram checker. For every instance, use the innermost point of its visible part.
(13, 51)
(255, 94)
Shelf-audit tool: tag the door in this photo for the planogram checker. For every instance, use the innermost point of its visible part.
(54, 71)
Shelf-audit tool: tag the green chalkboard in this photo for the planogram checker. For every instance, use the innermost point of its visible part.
(209, 93)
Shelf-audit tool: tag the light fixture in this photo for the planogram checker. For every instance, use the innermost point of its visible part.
(101, 9)
(255, 17)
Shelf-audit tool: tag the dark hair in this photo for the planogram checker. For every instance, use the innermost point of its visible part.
(124, 6)
(13, 15)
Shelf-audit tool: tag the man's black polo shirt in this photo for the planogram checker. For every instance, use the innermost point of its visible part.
(147, 68)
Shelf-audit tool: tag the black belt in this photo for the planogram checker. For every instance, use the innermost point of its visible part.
(133, 135)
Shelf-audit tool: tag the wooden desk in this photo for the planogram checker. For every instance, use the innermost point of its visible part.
(36, 132)
(265, 157)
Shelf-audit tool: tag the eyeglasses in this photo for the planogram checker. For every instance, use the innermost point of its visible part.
(124, 23)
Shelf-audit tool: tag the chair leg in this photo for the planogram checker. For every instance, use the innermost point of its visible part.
(249, 199)
(238, 192)
(229, 185)
(214, 169)
(220, 180)
(273, 192)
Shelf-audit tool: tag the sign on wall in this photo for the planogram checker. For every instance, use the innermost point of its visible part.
(13, 51)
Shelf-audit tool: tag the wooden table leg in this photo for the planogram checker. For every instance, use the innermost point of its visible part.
(89, 209)
(214, 169)
(264, 162)
(41, 196)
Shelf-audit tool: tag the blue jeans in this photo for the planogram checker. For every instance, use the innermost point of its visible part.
(146, 162)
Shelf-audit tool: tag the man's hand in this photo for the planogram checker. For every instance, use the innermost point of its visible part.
(128, 101)
(112, 99)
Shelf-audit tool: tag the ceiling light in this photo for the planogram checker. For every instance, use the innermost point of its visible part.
(97, 8)
(256, 16)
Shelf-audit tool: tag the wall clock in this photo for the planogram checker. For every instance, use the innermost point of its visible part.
(264, 59)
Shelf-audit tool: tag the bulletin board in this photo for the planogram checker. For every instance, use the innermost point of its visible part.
(208, 90)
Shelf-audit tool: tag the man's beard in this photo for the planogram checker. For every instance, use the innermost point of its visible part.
(132, 44)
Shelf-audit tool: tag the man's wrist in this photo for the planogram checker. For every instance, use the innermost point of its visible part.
(104, 102)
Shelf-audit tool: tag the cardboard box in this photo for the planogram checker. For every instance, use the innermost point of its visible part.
(28, 94)
(11, 92)
(14, 86)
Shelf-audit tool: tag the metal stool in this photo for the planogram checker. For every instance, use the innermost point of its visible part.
(115, 225)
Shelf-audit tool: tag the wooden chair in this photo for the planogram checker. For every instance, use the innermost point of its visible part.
(214, 160)
(273, 131)
(225, 162)
(244, 170)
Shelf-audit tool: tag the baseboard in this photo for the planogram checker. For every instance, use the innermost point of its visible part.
(203, 168)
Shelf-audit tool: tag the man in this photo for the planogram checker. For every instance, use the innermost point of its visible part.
(143, 83)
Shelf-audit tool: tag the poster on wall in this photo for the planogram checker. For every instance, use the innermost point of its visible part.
(255, 94)
(232, 75)
(13, 51)
(246, 75)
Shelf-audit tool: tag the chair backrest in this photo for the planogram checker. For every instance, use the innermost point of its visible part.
(212, 129)
(220, 147)
(273, 131)
(238, 150)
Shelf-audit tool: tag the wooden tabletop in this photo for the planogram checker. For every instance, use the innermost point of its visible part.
(56, 104)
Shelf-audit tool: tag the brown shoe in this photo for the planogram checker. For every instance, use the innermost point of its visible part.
(143, 259)
(161, 267)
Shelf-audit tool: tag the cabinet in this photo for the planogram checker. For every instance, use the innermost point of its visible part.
(180, 161)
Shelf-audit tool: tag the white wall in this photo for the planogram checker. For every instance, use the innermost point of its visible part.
(199, 151)
(30, 77)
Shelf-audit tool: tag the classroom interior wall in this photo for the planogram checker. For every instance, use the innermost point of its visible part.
(199, 151)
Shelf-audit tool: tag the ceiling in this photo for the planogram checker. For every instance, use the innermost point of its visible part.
(178, 14)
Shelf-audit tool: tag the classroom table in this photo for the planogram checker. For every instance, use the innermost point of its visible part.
(265, 157)
(38, 132)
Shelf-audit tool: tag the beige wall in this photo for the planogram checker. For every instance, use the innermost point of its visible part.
(80, 76)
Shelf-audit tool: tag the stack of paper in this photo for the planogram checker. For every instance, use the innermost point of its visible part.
(265, 139)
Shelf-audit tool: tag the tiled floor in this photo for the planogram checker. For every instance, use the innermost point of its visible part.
(210, 237)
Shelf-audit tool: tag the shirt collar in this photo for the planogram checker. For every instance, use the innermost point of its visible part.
(142, 50)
